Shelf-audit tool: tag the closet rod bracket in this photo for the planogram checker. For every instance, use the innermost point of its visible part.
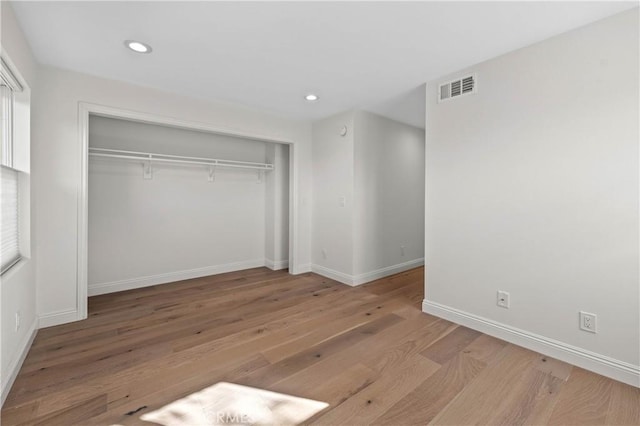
(147, 169)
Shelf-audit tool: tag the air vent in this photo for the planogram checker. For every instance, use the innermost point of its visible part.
(467, 84)
(457, 87)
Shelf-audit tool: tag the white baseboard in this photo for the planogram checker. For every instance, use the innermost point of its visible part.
(606, 366)
(276, 265)
(385, 272)
(332, 274)
(301, 269)
(356, 280)
(57, 318)
(16, 364)
(129, 284)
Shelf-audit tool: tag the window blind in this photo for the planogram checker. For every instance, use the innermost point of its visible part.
(9, 218)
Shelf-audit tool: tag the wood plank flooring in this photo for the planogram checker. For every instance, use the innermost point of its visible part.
(369, 352)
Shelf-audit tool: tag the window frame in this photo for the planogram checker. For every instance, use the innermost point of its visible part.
(9, 82)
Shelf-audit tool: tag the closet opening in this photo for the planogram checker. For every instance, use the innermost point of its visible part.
(167, 203)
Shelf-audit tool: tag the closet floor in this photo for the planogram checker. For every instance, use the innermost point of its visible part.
(368, 352)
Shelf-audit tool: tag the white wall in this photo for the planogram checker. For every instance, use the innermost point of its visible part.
(378, 167)
(389, 195)
(532, 188)
(176, 225)
(277, 207)
(18, 285)
(56, 158)
(333, 159)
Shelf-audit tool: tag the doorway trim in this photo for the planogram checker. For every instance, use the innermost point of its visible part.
(85, 109)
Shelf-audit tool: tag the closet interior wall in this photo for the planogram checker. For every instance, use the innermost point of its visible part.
(179, 224)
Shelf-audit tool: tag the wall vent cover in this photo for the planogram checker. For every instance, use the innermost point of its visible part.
(458, 87)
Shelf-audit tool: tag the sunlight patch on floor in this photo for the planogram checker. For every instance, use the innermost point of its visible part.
(231, 404)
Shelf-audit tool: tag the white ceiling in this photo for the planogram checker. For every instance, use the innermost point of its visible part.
(371, 55)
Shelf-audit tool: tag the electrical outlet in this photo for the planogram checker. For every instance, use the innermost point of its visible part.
(324, 253)
(343, 201)
(503, 299)
(588, 322)
(17, 321)
(402, 250)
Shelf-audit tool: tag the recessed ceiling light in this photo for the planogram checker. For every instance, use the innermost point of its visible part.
(311, 97)
(137, 46)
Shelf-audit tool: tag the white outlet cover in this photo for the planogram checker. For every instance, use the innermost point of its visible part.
(503, 299)
(588, 322)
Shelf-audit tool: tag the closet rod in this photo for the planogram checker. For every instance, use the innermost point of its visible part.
(176, 159)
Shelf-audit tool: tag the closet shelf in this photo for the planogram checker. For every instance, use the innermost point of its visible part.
(147, 157)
